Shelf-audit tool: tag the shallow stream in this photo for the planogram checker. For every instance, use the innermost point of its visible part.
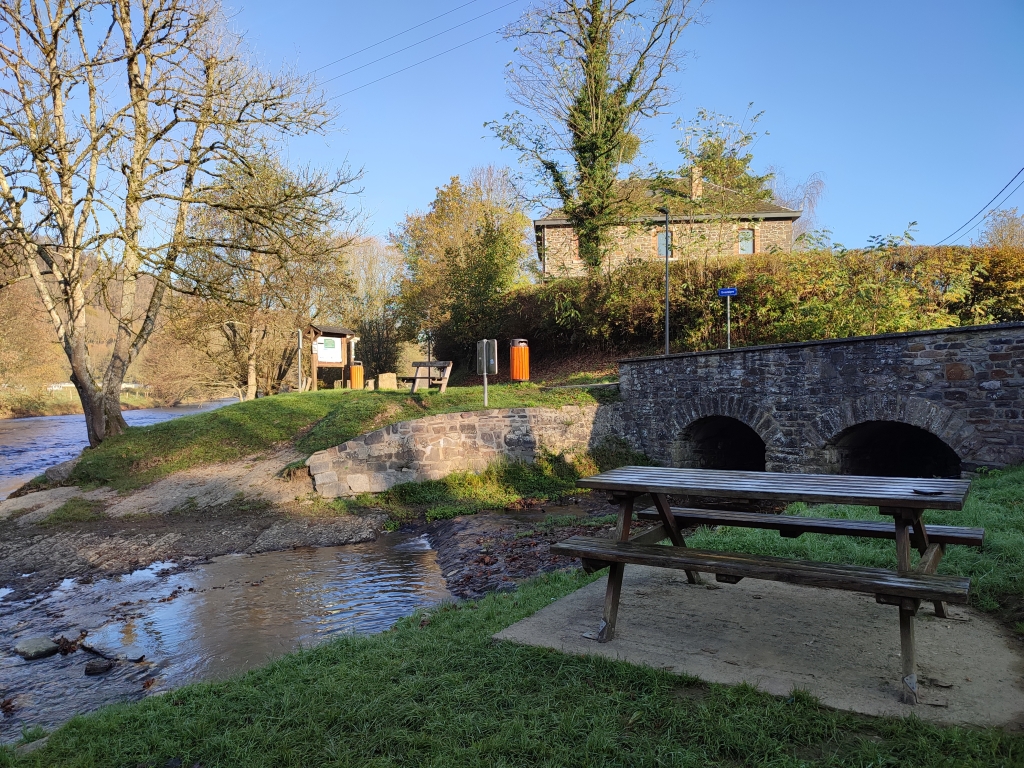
(227, 616)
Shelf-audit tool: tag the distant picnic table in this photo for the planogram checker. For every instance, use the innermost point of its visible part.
(422, 374)
(901, 498)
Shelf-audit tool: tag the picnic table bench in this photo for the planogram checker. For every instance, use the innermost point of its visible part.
(903, 499)
(422, 374)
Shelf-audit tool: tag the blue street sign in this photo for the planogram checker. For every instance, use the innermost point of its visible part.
(727, 291)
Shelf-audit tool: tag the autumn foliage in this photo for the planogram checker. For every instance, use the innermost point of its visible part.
(783, 297)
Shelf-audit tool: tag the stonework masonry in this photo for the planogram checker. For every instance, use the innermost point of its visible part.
(435, 446)
(963, 385)
(689, 240)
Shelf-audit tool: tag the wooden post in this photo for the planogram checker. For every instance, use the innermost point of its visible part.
(606, 631)
(313, 362)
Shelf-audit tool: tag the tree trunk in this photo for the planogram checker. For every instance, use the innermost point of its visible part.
(101, 405)
(250, 390)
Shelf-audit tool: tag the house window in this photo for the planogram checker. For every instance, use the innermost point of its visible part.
(746, 241)
(662, 249)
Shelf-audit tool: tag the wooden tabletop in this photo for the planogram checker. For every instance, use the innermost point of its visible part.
(914, 492)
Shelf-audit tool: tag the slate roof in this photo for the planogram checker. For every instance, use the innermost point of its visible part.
(332, 330)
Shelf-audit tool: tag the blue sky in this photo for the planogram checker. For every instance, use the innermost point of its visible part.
(911, 110)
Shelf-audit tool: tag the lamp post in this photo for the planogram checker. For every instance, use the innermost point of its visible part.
(668, 251)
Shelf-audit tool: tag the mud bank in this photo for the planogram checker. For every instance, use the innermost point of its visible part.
(35, 557)
(493, 552)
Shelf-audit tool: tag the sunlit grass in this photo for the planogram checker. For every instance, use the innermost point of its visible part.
(308, 421)
(438, 691)
(996, 503)
(75, 510)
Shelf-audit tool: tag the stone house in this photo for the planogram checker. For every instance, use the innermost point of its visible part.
(704, 220)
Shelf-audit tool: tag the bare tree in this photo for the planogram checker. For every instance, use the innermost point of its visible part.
(264, 262)
(116, 117)
(588, 73)
(803, 197)
(375, 308)
(1004, 228)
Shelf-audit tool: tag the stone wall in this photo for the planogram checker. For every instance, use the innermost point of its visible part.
(432, 447)
(690, 240)
(962, 385)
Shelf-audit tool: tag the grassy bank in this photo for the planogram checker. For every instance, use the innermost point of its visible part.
(309, 421)
(437, 691)
(996, 503)
(20, 406)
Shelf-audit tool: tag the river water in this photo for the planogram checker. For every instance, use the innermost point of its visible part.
(29, 446)
(232, 614)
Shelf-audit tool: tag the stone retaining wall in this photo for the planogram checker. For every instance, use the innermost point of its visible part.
(432, 447)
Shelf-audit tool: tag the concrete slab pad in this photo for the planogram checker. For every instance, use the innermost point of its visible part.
(842, 647)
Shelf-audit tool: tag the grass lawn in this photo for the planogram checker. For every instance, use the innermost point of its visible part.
(310, 421)
(996, 503)
(436, 691)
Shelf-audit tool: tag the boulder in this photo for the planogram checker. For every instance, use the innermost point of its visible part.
(387, 381)
(98, 666)
(36, 648)
(59, 473)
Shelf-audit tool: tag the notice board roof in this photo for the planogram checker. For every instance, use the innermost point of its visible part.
(332, 330)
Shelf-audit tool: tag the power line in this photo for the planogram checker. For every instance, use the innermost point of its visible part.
(397, 34)
(413, 45)
(1001, 203)
(983, 208)
(422, 61)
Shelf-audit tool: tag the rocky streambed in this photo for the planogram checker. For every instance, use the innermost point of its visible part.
(117, 608)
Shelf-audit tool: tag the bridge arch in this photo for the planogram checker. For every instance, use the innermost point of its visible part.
(891, 449)
(947, 425)
(723, 433)
(721, 442)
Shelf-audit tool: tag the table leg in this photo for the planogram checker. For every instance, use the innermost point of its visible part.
(907, 651)
(907, 654)
(665, 513)
(606, 631)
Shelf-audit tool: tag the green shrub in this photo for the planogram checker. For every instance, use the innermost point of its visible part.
(783, 297)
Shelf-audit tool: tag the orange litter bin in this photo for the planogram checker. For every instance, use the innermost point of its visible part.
(520, 363)
(355, 374)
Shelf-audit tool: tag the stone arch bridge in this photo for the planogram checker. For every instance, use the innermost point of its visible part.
(931, 403)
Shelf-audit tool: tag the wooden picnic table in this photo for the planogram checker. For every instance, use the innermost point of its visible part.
(903, 499)
(422, 373)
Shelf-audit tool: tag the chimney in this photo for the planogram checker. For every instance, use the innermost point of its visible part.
(696, 182)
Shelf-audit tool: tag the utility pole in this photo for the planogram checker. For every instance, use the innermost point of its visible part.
(668, 251)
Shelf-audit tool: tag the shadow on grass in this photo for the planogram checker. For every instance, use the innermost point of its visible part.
(437, 690)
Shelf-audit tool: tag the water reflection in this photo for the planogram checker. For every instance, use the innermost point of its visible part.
(235, 613)
(28, 446)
